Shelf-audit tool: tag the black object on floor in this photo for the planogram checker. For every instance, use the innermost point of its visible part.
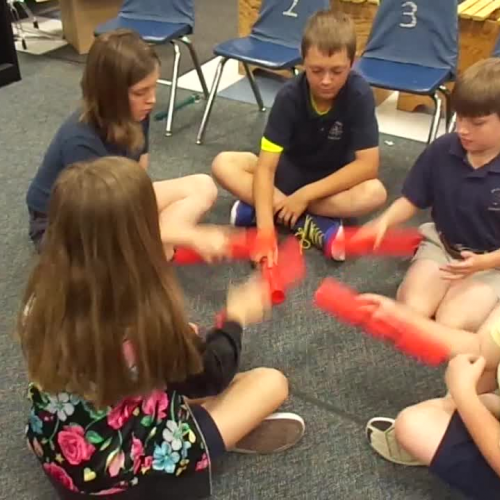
(9, 65)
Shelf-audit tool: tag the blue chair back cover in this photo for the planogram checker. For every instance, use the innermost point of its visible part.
(283, 21)
(172, 11)
(423, 32)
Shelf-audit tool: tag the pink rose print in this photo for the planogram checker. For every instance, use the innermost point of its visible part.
(116, 464)
(137, 454)
(60, 475)
(121, 413)
(73, 445)
(146, 464)
(111, 491)
(157, 400)
(203, 463)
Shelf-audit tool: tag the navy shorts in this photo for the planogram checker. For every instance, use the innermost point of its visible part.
(459, 463)
(37, 227)
(290, 177)
(210, 431)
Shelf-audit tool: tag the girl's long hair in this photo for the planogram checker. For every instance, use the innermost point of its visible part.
(102, 279)
(116, 61)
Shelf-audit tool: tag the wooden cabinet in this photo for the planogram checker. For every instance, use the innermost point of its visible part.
(81, 17)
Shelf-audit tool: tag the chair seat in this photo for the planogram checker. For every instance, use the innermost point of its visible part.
(259, 53)
(150, 31)
(405, 77)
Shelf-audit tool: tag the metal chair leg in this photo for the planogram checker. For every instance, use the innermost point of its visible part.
(447, 98)
(436, 120)
(453, 123)
(196, 62)
(16, 20)
(173, 89)
(255, 88)
(210, 101)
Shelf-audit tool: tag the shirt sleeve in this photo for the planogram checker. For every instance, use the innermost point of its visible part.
(364, 131)
(221, 359)
(281, 121)
(81, 148)
(417, 187)
(270, 147)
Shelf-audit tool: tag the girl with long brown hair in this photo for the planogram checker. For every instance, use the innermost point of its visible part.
(112, 359)
(119, 92)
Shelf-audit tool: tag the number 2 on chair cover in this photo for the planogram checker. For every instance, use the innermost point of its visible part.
(411, 13)
(290, 12)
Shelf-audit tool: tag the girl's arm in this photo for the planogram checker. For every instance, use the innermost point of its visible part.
(144, 161)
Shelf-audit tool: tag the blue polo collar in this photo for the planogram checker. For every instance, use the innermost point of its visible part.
(456, 149)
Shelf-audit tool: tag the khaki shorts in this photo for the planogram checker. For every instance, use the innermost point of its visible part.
(432, 248)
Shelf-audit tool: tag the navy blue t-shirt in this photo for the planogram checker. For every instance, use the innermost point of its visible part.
(75, 141)
(465, 202)
(323, 142)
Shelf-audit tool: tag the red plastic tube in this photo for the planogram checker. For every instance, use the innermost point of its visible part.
(398, 242)
(343, 303)
(241, 247)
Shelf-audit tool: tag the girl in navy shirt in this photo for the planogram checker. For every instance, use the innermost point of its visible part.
(119, 92)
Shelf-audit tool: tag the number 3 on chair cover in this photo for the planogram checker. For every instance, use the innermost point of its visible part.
(410, 15)
(289, 12)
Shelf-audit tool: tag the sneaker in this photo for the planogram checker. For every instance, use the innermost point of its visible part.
(276, 433)
(381, 435)
(242, 215)
(324, 233)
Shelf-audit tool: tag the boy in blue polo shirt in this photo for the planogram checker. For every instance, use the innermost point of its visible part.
(455, 274)
(319, 155)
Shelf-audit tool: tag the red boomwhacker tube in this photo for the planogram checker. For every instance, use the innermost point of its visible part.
(397, 242)
(289, 270)
(342, 302)
(272, 278)
(241, 247)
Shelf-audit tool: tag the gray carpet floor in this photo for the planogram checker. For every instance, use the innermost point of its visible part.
(339, 377)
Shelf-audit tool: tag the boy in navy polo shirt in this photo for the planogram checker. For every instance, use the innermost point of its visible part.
(457, 436)
(455, 274)
(319, 150)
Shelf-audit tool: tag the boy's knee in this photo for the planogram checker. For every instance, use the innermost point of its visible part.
(449, 318)
(405, 296)
(220, 161)
(205, 188)
(376, 193)
(417, 302)
(231, 163)
(408, 426)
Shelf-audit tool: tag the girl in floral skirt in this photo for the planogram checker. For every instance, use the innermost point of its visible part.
(113, 359)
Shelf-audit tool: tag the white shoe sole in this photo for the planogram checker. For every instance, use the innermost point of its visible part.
(337, 249)
(234, 213)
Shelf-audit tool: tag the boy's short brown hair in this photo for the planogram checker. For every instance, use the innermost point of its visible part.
(330, 31)
(477, 90)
